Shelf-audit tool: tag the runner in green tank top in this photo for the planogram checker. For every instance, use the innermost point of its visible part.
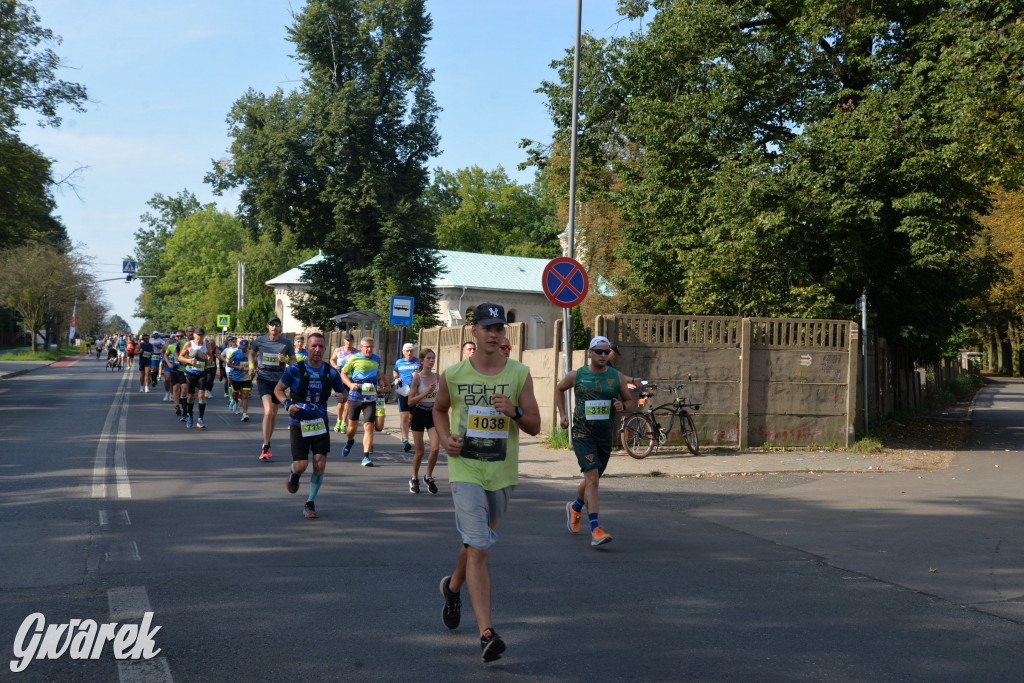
(491, 399)
(600, 392)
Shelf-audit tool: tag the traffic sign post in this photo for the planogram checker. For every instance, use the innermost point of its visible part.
(401, 310)
(128, 267)
(223, 321)
(565, 282)
(401, 314)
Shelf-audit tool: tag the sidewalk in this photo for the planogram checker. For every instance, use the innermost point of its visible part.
(14, 368)
(538, 461)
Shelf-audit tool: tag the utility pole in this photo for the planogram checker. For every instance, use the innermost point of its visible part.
(571, 229)
(240, 300)
(862, 304)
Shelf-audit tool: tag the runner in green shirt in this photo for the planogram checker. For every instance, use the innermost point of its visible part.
(491, 399)
(599, 391)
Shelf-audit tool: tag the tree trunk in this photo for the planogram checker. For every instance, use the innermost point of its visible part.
(1013, 333)
(991, 349)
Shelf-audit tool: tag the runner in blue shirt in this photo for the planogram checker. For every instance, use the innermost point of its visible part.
(241, 382)
(402, 378)
(309, 385)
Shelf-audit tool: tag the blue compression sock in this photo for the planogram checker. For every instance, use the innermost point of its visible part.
(577, 504)
(593, 521)
(314, 486)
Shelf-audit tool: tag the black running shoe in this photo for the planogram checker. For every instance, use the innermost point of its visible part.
(451, 615)
(492, 645)
(177, 410)
(406, 446)
(431, 486)
(414, 486)
(293, 483)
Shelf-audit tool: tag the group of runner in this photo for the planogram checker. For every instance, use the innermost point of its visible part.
(475, 409)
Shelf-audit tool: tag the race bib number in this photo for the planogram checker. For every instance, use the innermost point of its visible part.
(598, 410)
(199, 366)
(270, 359)
(487, 423)
(146, 354)
(313, 427)
(380, 406)
(369, 392)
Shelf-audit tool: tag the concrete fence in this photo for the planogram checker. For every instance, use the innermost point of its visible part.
(775, 381)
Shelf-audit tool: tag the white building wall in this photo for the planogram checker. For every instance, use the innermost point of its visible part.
(526, 307)
(532, 308)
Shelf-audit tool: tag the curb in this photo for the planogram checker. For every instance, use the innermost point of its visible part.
(23, 371)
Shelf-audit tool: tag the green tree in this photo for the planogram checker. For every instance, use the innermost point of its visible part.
(26, 197)
(779, 159)
(341, 161)
(41, 282)
(1000, 309)
(150, 249)
(117, 325)
(487, 213)
(28, 83)
(199, 281)
(28, 70)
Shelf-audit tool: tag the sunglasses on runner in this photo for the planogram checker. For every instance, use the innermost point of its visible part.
(506, 347)
(601, 352)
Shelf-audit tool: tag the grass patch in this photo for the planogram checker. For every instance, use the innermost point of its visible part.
(867, 445)
(52, 354)
(558, 438)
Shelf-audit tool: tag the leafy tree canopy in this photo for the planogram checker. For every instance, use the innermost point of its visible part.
(28, 69)
(778, 159)
(487, 213)
(341, 161)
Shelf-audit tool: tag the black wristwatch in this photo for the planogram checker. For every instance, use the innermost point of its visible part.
(519, 413)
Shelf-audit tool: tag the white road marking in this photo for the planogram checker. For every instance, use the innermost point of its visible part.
(124, 487)
(124, 551)
(128, 603)
(153, 670)
(99, 468)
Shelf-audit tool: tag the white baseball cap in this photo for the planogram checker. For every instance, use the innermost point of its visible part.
(408, 347)
(599, 340)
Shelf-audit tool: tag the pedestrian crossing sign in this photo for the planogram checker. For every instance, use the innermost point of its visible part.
(223, 321)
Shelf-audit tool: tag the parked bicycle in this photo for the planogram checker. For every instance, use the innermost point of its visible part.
(641, 432)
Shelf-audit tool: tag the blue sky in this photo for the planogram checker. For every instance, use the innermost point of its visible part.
(161, 78)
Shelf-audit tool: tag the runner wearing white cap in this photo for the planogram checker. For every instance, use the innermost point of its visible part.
(599, 391)
(402, 380)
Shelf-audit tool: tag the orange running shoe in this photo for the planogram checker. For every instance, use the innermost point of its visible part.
(572, 519)
(599, 537)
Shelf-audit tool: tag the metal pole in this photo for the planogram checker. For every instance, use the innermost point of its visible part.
(571, 228)
(864, 351)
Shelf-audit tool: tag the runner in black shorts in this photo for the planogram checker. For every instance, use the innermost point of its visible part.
(309, 383)
(422, 392)
(269, 354)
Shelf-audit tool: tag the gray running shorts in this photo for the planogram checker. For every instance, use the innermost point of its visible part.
(476, 509)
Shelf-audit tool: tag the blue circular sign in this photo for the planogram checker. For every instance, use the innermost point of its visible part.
(565, 282)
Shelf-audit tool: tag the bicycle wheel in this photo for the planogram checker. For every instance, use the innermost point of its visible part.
(689, 433)
(637, 434)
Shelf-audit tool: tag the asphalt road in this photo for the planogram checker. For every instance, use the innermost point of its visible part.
(109, 508)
